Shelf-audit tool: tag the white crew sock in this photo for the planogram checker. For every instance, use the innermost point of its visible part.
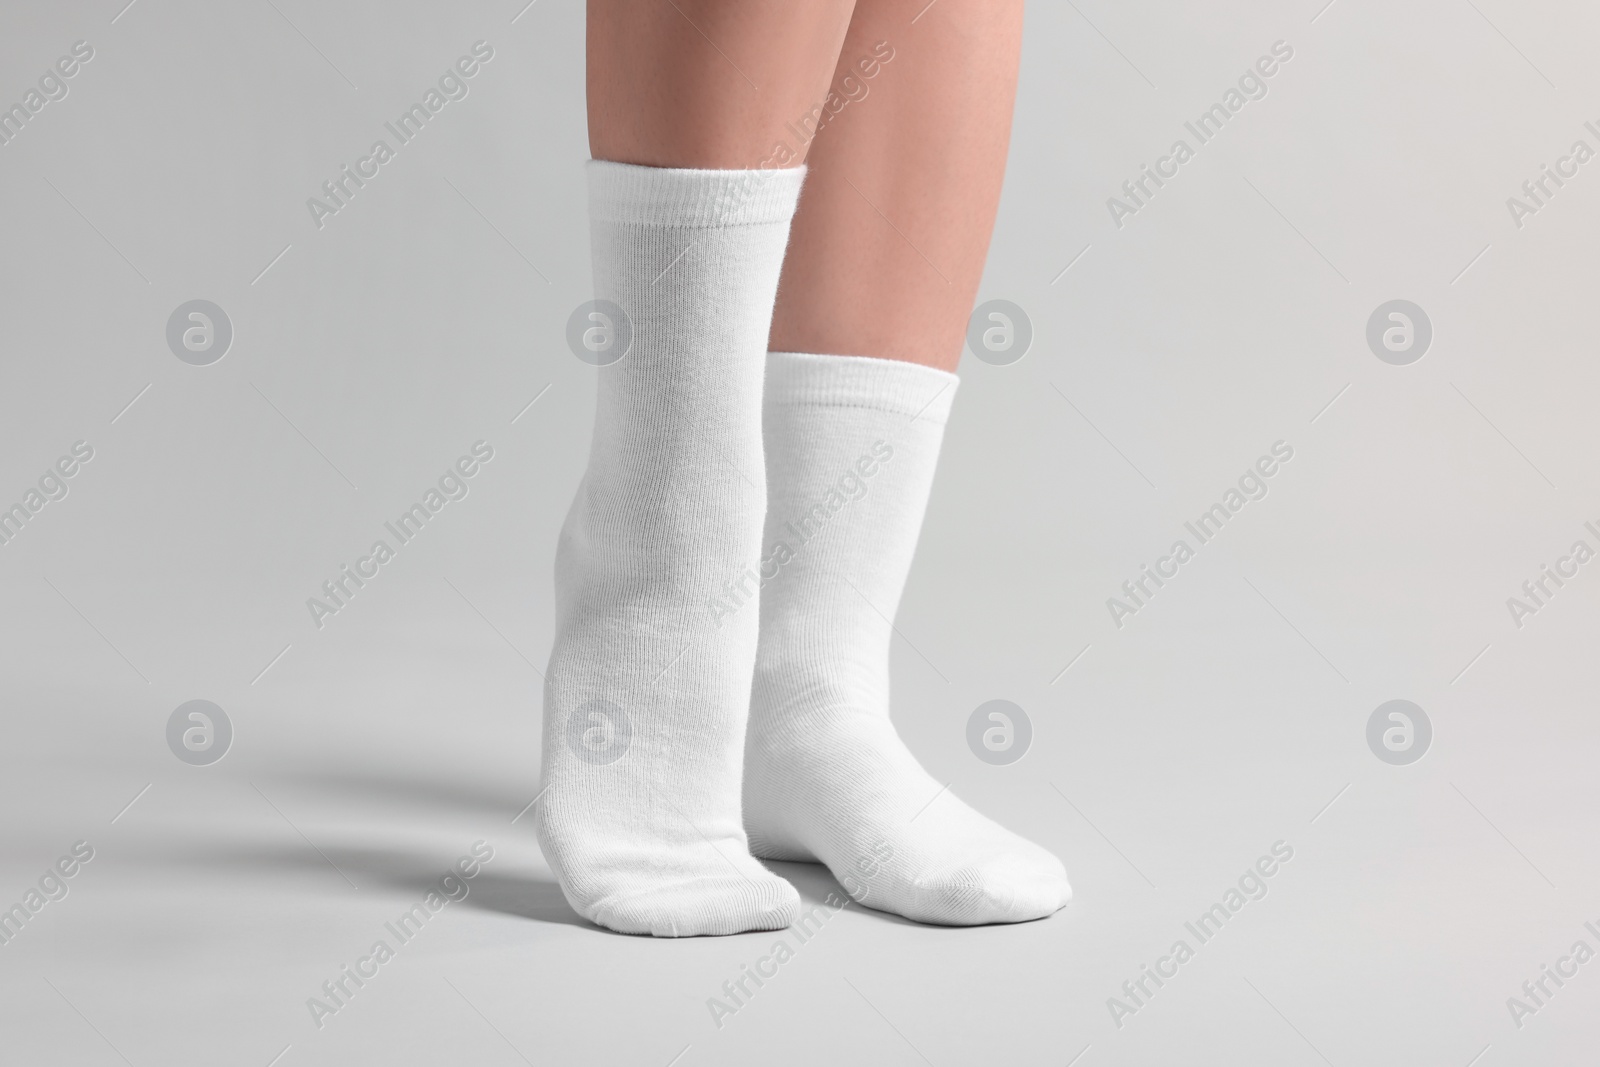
(648, 690)
(851, 445)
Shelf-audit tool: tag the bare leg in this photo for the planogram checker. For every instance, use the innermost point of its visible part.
(705, 83)
(887, 250)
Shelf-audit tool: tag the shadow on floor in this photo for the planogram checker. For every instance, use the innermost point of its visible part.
(411, 873)
(403, 874)
(383, 785)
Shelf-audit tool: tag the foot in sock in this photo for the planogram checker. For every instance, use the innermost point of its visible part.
(851, 446)
(647, 694)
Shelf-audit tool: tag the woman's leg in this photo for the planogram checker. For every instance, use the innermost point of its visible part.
(882, 268)
(706, 83)
(647, 693)
(888, 248)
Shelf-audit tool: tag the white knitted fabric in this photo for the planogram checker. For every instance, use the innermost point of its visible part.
(851, 446)
(648, 689)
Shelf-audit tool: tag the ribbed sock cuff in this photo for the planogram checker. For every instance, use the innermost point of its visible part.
(890, 385)
(672, 196)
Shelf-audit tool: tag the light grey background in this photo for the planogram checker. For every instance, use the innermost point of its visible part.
(1230, 713)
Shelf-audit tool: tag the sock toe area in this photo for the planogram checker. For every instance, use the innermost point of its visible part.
(1008, 888)
(960, 897)
(693, 907)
